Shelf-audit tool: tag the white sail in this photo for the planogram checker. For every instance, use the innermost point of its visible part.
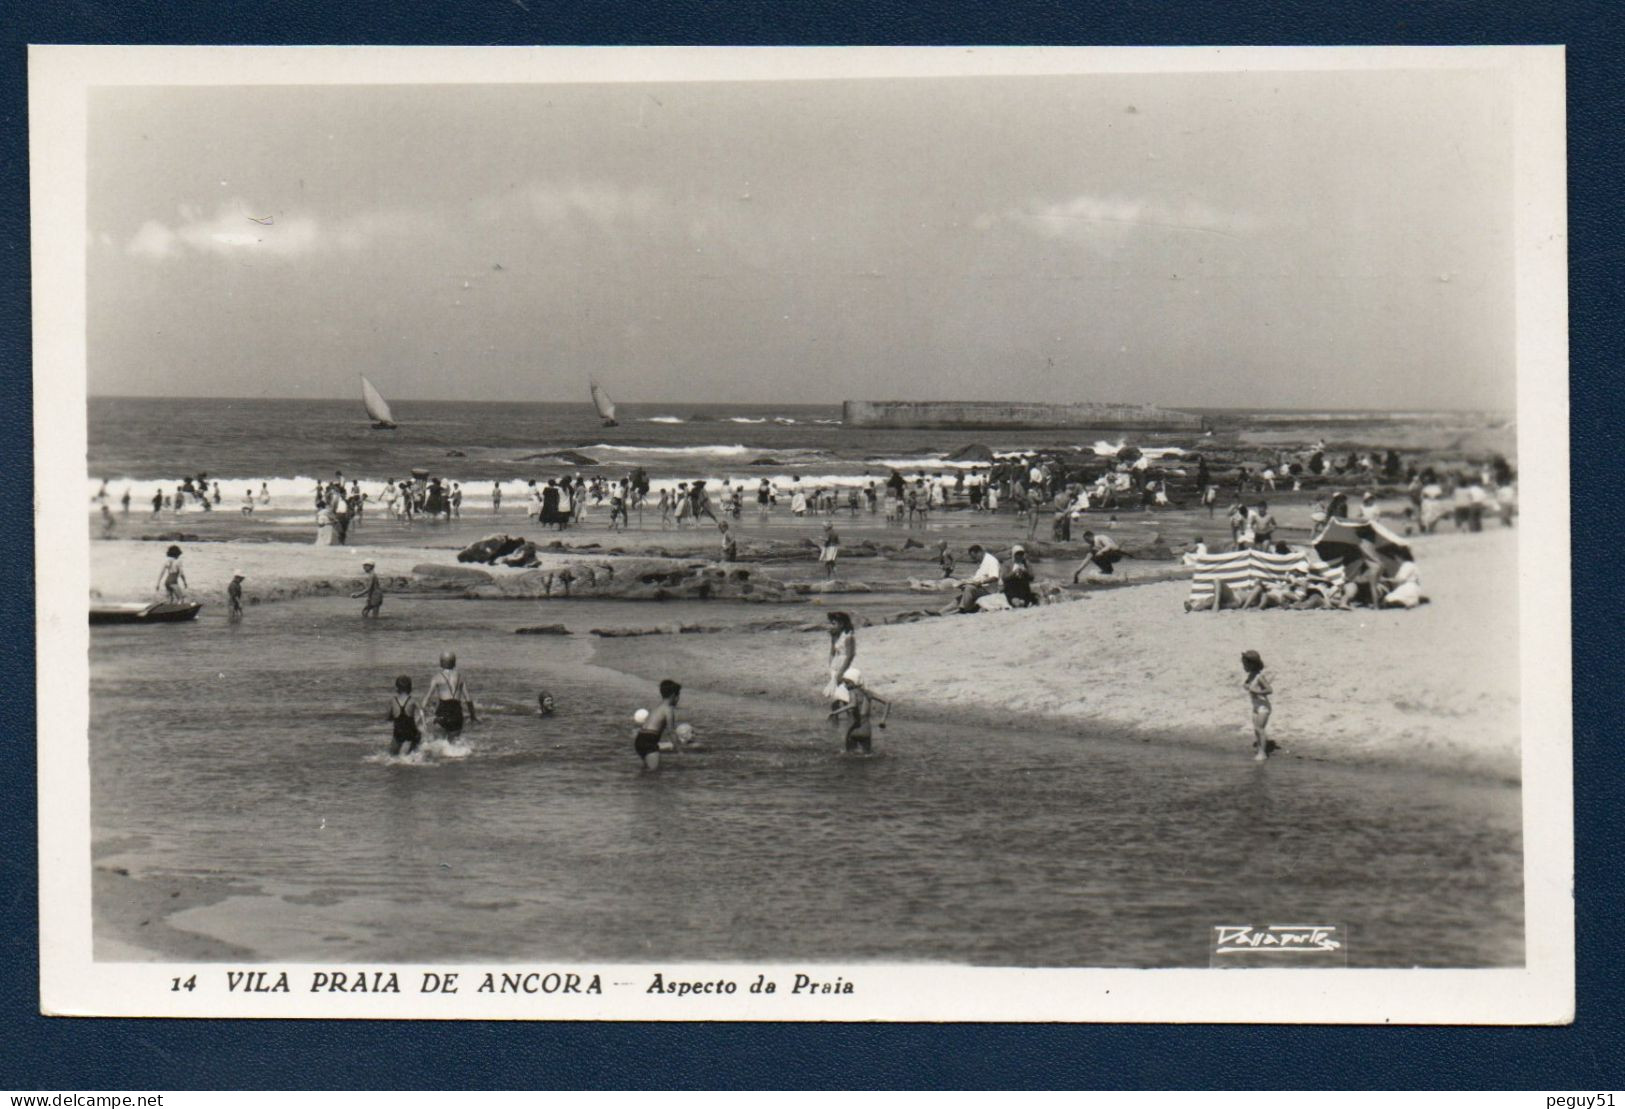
(377, 407)
(601, 401)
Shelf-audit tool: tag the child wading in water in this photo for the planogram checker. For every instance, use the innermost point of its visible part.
(407, 718)
(234, 597)
(1257, 685)
(861, 706)
(647, 741)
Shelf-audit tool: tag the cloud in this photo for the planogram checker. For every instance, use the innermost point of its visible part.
(154, 240)
(600, 205)
(1109, 220)
(239, 229)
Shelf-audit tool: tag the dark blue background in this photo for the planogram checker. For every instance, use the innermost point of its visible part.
(36, 1053)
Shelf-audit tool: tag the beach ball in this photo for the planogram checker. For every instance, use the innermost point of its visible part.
(641, 716)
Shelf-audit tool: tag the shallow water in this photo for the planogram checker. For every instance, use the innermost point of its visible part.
(253, 752)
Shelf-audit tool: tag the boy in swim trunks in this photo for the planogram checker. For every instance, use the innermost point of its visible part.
(859, 737)
(647, 741)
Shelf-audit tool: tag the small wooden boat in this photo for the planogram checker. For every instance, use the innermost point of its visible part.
(605, 406)
(377, 407)
(144, 612)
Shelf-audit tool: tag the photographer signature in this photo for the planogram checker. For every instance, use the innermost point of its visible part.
(1231, 938)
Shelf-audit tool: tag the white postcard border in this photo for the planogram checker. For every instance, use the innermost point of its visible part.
(72, 983)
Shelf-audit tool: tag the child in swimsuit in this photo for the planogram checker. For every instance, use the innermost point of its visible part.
(647, 741)
(405, 716)
(1257, 685)
(234, 597)
(859, 737)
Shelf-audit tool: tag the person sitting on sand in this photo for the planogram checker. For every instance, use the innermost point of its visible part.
(372, 589)
(448, 698)
(1404, 587)
(652, 727)
(406, 719)
(860, 705)
(986, 580)
(172, 579)
(234, 597)
(1257, 685)
(1319, 594)
(1221, 598)
(1197, 551)
(1274, 593)
(1018, 580)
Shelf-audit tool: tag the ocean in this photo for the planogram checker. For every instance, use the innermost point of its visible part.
(289, 444)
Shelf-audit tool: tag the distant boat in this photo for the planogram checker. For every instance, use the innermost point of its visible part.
(605, 406)
(377, 407)
(142, 612)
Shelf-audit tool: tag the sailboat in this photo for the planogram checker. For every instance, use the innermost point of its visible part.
(605, 406)
(377, 407)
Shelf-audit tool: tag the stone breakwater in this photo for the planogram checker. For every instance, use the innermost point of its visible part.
(1015, 415)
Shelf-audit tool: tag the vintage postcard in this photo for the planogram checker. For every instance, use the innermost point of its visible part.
(805, 534)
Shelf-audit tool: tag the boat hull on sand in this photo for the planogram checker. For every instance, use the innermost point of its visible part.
(160, 612)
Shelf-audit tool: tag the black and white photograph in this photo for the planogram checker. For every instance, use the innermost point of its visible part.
(803, 534)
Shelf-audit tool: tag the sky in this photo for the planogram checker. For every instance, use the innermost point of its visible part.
(1314, 239)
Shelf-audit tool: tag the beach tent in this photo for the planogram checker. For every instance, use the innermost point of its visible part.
(1340, 540)
(1241, 570)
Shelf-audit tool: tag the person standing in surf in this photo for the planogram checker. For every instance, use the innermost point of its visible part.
(1257, 685)
(372, 589)
(172, 579)
(234, 597)
(646, 743)
(859, 734)
(449, 700)
(831, 550)
(405, 718)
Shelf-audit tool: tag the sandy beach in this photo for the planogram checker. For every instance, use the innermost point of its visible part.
(1434, 687)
